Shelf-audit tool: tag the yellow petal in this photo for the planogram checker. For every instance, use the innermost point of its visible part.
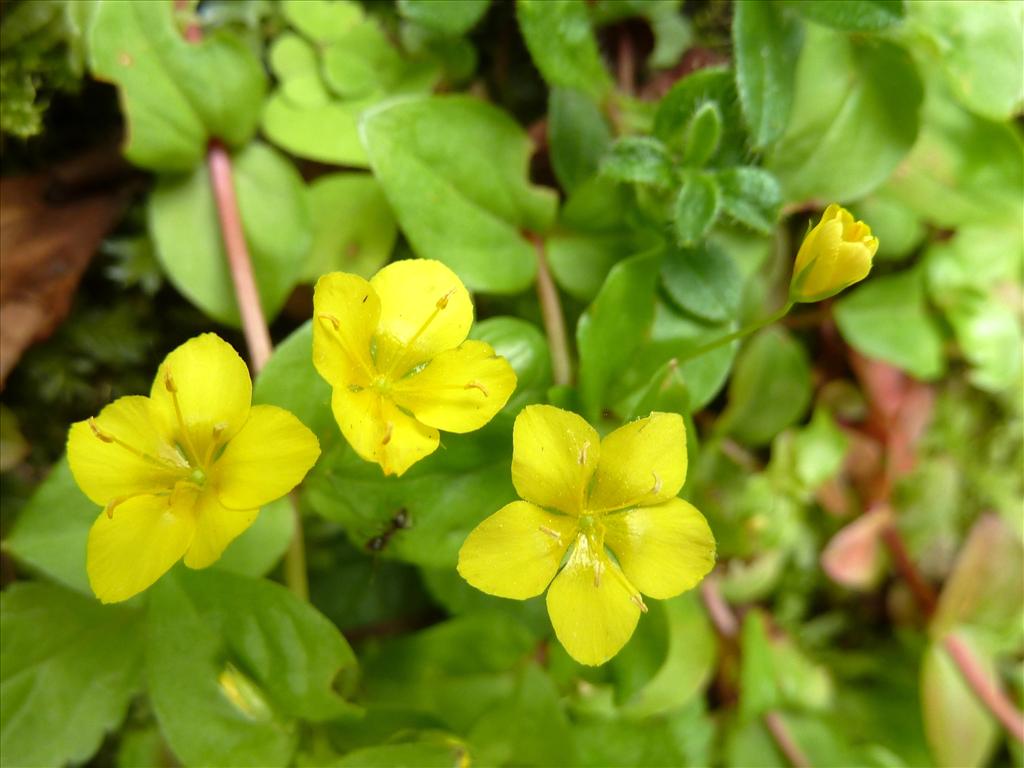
(216, 527)
(121, 453)
(126, 553)
(346, 311)
(266, 459)
(459, 390)
(516, 551)
(643, 462)
(425, 309)
(379, 432)
(591, 606)
(663, 550)
(554, 454)
(204, 385)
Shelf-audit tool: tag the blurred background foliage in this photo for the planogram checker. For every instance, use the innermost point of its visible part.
(859, 462)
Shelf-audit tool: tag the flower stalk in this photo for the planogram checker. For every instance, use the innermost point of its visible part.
(554, 319)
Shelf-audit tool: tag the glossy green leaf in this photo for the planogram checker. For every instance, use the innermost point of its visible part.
(770, 387)
(961, 733)
(451, 18)
(70, 667)
(435, 753)
(638, 160)
(361, 62)
(176, 95)
(579, 136)
(323, 21)
(703, 281)
(454, 171)
(562, 44)
(703, 135)
(887, 318)
(234, 664)
(353, 227)
(326, 132)
(750, 196)
(766, 41)
(613, 326)
(853, 15)
(977, 47)
(855, 117)
(696, 208)
(275, 219)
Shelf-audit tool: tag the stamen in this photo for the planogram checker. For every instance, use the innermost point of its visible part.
(552, 533)
(193, 456)
(598, 569)
(331, 319)
(387, 433)
(476, 385)
(657, 483)
(638, 602)
(583, 452)
(399, 360)
(442, 303)
(106, 437)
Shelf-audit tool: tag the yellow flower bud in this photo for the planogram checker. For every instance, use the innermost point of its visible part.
(835, 254)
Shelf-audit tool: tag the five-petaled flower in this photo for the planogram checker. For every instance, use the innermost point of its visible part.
(836, 253)
(183, 471)
(394, 350)
(608, 510)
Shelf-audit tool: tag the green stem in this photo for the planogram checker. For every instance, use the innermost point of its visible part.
(744, 331)
(554, 320)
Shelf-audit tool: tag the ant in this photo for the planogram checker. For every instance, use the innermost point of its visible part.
(399, 522)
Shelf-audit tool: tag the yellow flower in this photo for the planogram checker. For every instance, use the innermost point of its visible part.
(394, 350)
(183, 471)
(835, 254)
(585, 497)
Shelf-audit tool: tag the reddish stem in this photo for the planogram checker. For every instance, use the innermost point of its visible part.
(923, 592)
(988, 694)
(784, 740)
(554, 320)
(257, 336)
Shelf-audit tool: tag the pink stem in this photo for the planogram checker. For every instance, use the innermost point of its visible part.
(257, 336)
(988, 694)
(784, 740)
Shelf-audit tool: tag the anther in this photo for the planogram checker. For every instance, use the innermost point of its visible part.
(331, 319)
(99, 433)
(639, 602)
(583, 452)
(657, 483)
(552, 533)
(169, 382)
(476, 385)
(218, 429)
(387, 433)
(598, 568)
(443, 301)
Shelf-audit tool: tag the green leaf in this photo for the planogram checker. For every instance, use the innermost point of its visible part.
(855, 117)
(897, 226)
(819, 450)
(682, 737)
(526, 349)
(323, 21)
(70, 667)
(750, 196)
(450, 19)
(562, 44)
(579, 136)
(233, 664)
(638, 160)
(262, 545)
(887, 319)
(176, 95)
(703, 135)
(436, 753)
(361, 62)
(759, 688)
(963, 169)
(657, 678)
(454, 170)
(770, 387)
(961, 733)
(185, 228)
(290, 381)
(327, 132)
(766, 41)
(354, 229)
(442, 497)
(852, 15)
(50, 532)
(703, 281)
(687, 97)
(977, 47)
(613, 326)
(696, 207)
